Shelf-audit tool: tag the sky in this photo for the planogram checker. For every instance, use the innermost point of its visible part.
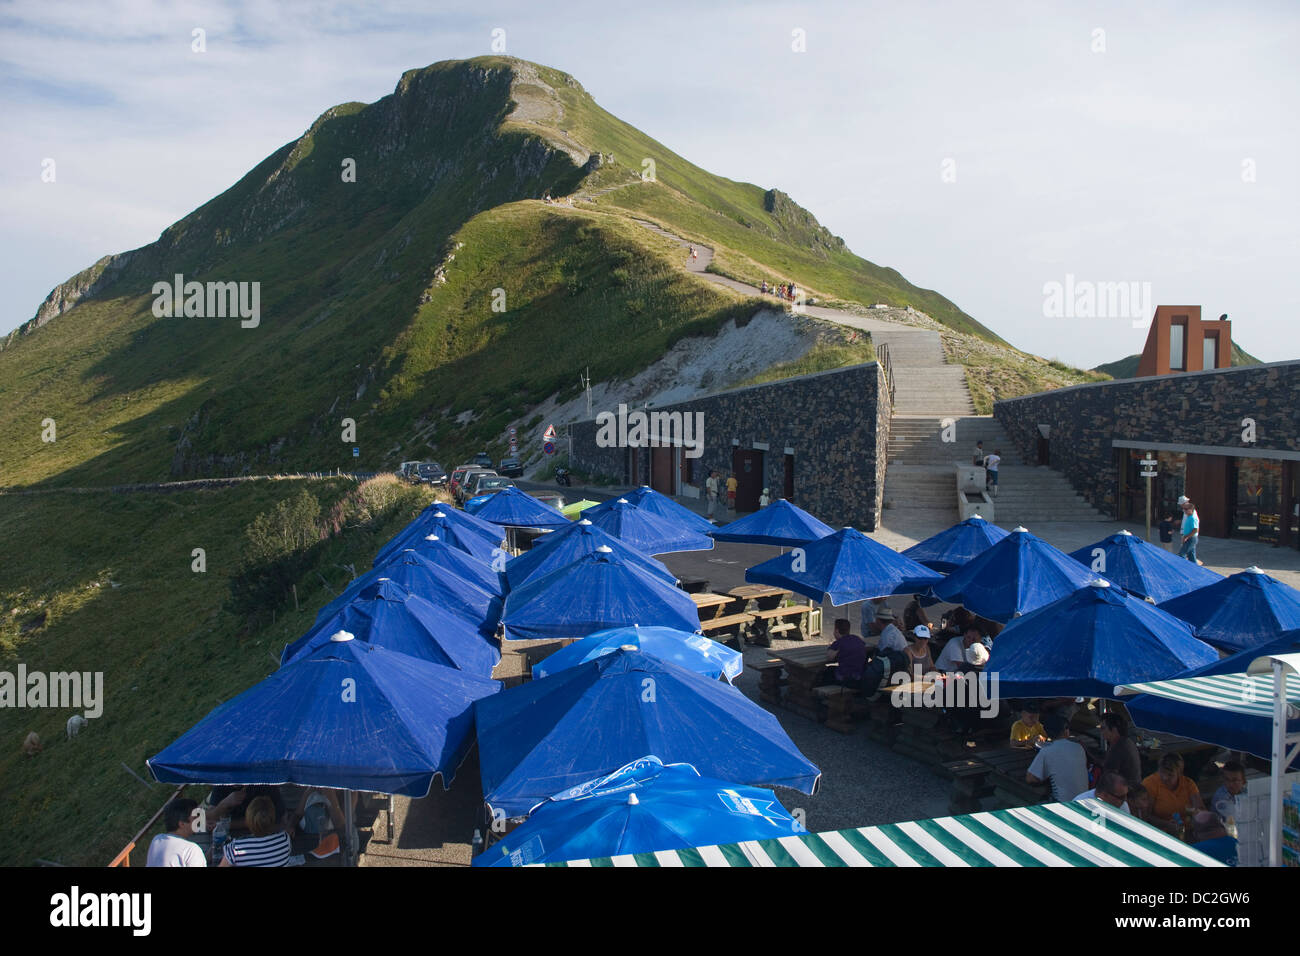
(984, 153)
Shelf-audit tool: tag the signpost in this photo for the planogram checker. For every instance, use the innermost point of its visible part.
(1148, 472)
(548, 447)
(514, 441)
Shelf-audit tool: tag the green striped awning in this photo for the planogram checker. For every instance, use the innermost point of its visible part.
(1239, 693)
(1083, 833)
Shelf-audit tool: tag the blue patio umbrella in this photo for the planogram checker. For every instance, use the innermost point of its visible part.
(1088, 642)
(446, 555)
(479, 538)
(387, 614)
(544, 737)
(513, 508)
(695, 652)
(647, 499)
(843, 567)
(644, 807)
(561, 548)
(1240, 611)
(1221, 726)
(595, 592)
(350, 716)
(780, 523)
(435, 583)
(950, 549)
(646, 531)
(1019, 574)
(1143, 569)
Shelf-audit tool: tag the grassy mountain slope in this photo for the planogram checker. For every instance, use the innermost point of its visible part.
(354, 274)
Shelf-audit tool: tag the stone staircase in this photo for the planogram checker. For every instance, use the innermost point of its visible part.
(920, 476)
(924, 384)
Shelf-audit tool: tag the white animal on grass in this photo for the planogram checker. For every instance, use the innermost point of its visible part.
(75, 723)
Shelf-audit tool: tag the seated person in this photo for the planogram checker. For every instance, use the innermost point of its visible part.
(1139, 803)
(952, 658)
(1224, 801)
(1061, 763)
(1212, 839)
(1111, 788)
(233, 802)
(914, 615)
(1172, 792)
(1121, 755)
(850, 652)
(174, 847)
(1028, 730)
(891, 638)
(965, 718)
(268, 846)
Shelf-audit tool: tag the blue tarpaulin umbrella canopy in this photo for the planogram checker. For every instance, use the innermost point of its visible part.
(448, 556)
(644, 807)
(695, 652)
(1143, 569)
(647, 499)
(513, 508)
(645, 530)
(1090, 641)
(1222, 705)
(780, 523)
(479, 538)
(1240, 611)
(548, 735)
(351, 716)
(1019, 574)
(949, 550)
(561, 548)
(595, 592)
(386, 614)
(843, 567)
(435, 583)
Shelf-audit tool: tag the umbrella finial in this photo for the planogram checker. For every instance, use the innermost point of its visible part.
(440, 514)
(429, 537)
(1019, 527)
(1098, 583)
(585, 521)
(632, 800)
(340, 637)
(627, 647)
(605, 549)
(1127, 532)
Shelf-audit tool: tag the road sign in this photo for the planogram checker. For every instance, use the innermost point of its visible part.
(1150, 474)
(549, 447)
(356, 452)
(549, 434)
(1148, 463)
(512, 431)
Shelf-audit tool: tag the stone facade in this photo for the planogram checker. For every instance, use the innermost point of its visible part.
(835, 423)
(1194, 409)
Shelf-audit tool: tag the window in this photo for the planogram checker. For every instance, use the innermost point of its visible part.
(1210, 351)
(1178, 344)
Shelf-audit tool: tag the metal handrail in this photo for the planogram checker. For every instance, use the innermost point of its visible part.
(887, 366)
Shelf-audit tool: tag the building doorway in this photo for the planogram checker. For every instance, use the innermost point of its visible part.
(663, 470)
(747, 464)
(787, 484)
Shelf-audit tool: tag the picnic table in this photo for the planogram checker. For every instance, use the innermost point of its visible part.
(764, 596)
(805, 669)
(710, 605)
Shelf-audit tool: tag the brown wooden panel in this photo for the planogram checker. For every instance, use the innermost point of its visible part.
(661, 470)
(1210, 488)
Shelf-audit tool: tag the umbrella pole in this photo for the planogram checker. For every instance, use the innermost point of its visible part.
(350, 858)
(1279, 765)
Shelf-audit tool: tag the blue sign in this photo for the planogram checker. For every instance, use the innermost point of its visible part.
(356, 453)
(549, 448)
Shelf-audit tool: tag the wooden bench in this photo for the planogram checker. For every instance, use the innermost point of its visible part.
(776, 621)
(770, 680)
(728, 630)
(842, 705)
(970, 783)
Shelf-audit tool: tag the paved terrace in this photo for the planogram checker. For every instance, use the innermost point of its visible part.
(863, 783)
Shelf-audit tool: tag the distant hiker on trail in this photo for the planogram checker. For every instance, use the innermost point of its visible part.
(763, 288)
(732, 485)
(691, 251)
(711, 491)
(695, 253)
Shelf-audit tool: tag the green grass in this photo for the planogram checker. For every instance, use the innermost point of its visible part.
(168, 649)
(822, 357)
(1127, 367)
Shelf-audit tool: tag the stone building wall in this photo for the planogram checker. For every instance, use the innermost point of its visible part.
(1203, 409)
(836, 423)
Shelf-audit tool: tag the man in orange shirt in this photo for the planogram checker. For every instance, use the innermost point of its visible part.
(1172, 793)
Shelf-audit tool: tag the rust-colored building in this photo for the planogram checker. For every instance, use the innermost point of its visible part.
(1181, 341)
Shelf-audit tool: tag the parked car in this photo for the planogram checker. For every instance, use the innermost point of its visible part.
(430, 473)
(552, 498)
(511, 467)
(463, 488)
(456, 477)
(406, 470)
(483, 460)
(477, 483)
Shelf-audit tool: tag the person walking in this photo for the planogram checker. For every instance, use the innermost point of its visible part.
(1191, 530)
(1167, 532)
(711, 491)
(991, 464)
(732, 485)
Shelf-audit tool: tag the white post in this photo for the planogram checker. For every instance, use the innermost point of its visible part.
(1279, 765)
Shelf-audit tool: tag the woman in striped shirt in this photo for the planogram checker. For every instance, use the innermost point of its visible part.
(268, 846)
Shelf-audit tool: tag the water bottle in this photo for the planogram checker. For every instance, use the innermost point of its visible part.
(220, 833)
(477, 844)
